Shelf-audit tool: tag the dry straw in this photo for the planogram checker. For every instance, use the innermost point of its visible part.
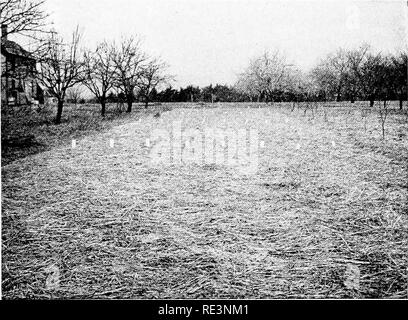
(326, 220)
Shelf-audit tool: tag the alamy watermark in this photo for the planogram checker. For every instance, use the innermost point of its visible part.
(209, 146)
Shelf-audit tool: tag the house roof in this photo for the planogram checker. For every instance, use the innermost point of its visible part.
(12, 48)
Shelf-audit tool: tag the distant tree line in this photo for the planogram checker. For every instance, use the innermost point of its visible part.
(217, 93)
(344, 75)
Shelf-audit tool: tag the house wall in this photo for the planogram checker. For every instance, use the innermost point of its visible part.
(3, 80)
(18, 84)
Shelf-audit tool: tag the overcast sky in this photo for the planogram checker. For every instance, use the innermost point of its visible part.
(211, 41)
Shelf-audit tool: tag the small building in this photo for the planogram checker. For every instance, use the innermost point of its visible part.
(18, 66)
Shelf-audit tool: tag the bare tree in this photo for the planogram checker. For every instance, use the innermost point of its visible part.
(267, 75)
(60, 68)
(152, 76)
(331, 74)
(99, 72)
(24, 17)
(399, 75)
(326, 79)
(383, 112)
(250, 82)
(384, 88)
(353, 76)
(371, 77)
(74, 94)
(247, 86)
(128, 60)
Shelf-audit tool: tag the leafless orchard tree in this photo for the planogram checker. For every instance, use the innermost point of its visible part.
(24, 17)
(99, 72)
(74, 94)
(60, 68)
(244, 86)
(370, 81)
(383, 111)
(247, 84)
(400, 75)
(267, 75)
(365, 112)
(128, 59)
(331, 74)
(153, 75)
(353, 77)
(309, 92)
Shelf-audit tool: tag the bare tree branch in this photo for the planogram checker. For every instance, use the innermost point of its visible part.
(129, 59)
(24, 17)
(99, 72)
(60, 68)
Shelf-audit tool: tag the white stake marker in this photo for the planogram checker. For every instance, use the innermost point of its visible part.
(73, 144)
(262, 144)
(111, 143)
(147, 143)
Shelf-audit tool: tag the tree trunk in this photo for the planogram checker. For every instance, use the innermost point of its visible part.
(338, 97)
(59, 111)
(400, 103)
(371, 102)
(146, 102)
(103, 105)
(129, 101)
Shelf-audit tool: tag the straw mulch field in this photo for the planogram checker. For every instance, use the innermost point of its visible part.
(324, 216)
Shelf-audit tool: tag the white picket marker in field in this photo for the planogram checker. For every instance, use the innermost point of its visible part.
(111, 143)
(352, 277)
(73, 144)
(262, 144)
(147, 144)
(333, 144)
(52, 281)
